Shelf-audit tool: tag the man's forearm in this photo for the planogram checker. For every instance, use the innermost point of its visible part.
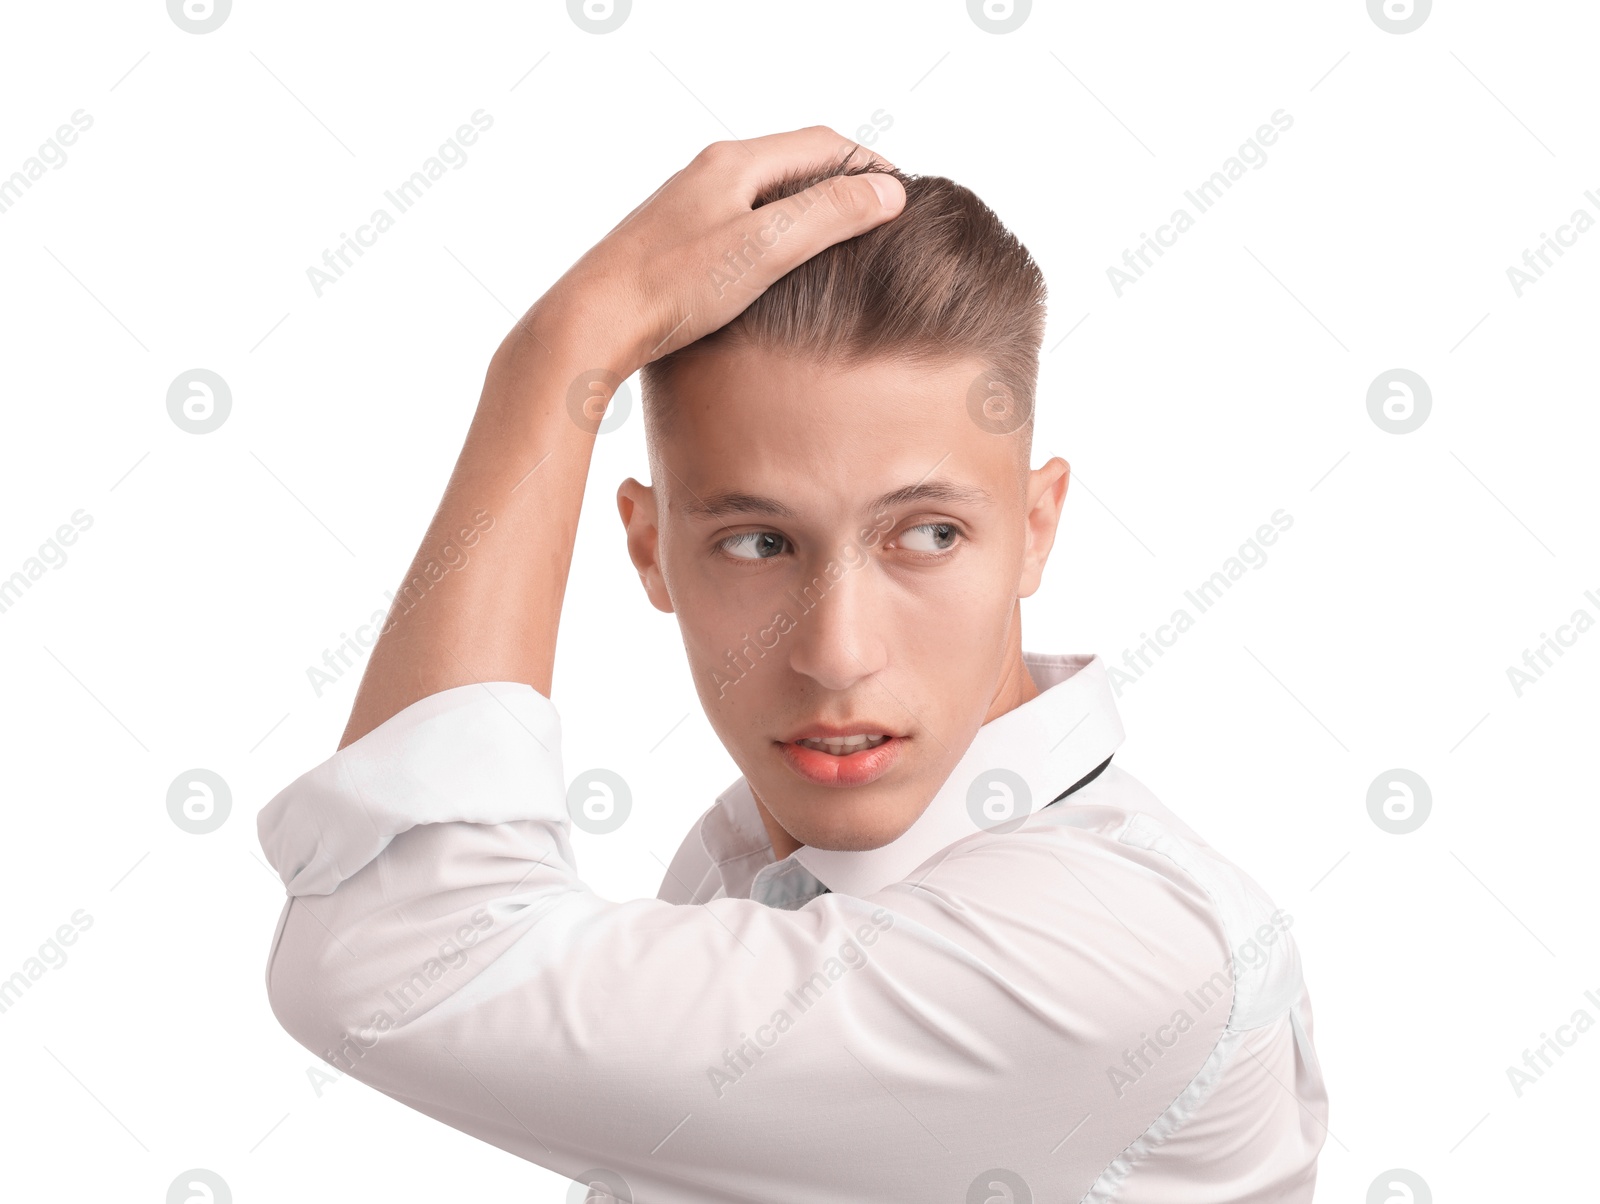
(514, 497)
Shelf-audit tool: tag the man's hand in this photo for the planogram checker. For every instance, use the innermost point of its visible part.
(693, 255)
(482, 600)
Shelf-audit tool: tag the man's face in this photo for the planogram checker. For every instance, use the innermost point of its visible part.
(845, 550)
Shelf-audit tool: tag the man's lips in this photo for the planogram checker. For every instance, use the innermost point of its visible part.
(838, 731)
(833, 769)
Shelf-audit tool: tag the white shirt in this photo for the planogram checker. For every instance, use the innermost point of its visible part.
(1091, 1006)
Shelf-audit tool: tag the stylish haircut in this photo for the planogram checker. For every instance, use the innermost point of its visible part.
(943, 279)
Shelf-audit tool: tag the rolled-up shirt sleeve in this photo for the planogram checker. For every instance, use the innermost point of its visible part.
(439, 945)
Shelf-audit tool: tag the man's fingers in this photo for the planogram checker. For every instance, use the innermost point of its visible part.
(734, 252)
(756, 162)
(790, 231)
(841, 207)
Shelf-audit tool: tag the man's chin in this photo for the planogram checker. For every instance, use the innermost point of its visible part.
(847, 821)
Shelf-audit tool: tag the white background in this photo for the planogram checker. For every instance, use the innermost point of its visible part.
(1228, 383)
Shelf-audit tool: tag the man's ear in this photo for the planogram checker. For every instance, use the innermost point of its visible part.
(636, 504)
(1047, 492)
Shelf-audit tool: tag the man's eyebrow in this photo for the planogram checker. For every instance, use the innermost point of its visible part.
(936, 490)
(730, 503)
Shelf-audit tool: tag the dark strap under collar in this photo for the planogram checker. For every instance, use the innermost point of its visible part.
(1078, 785)
(1083, 781)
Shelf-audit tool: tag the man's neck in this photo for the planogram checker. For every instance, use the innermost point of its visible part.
(1016, 687)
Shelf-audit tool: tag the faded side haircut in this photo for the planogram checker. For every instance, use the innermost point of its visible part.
(944, 279)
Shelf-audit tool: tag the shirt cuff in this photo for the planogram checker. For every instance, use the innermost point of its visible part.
(486, 753)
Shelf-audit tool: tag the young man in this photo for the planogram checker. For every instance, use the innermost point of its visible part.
(931, 945)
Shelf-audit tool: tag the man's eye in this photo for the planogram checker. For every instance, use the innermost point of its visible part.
(753, 545)
(930, 537)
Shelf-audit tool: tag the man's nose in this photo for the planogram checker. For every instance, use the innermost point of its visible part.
(840, 640)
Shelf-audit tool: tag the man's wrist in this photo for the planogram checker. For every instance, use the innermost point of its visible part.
(560, 332)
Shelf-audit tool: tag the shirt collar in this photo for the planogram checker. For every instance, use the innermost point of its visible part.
(1048, 743)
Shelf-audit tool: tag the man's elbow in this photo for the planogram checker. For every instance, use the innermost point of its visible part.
(302, 987)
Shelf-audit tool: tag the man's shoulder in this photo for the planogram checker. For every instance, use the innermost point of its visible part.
(1120, 816)
(1104, 869)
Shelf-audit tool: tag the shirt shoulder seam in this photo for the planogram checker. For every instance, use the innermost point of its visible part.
(1205, 1079)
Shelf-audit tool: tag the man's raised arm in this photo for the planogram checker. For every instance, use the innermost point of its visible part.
(643, 291)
